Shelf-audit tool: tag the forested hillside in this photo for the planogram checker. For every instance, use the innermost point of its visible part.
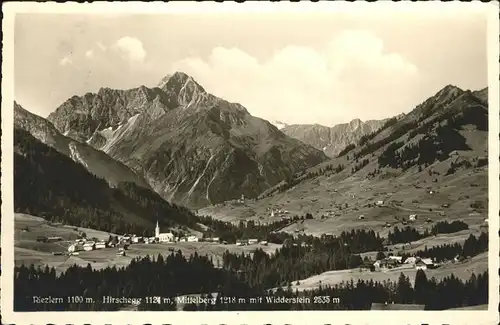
(51, 185)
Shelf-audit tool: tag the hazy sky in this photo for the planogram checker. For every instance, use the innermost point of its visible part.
(311, 68)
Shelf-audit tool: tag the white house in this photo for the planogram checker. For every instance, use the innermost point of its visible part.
(88, 247)
(398, 259)
(264, 242)
(74, 248)
(361, 217)
(423, 264)
(166, 237)
(192, 239)
(100, 245)
(380, 202)
(252, 241)
(412, 217)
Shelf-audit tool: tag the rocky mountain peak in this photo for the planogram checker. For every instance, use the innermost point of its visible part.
(448, 92)
(177, 81)
(356, 123)
(183, 88)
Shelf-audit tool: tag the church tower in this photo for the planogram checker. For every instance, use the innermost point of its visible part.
(157, 230)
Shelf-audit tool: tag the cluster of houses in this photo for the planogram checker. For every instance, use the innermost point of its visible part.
(122, 242)
(391, 262)
(83, 244)
(277, 212)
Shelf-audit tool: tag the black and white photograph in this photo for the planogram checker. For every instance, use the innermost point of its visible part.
(218, 160)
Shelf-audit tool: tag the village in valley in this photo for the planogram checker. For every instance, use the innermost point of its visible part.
(161, 176)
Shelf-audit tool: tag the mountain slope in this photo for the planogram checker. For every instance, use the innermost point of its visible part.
(49, 184)
(332, 140)
(193, 148)
(436, 154)
(95, 161)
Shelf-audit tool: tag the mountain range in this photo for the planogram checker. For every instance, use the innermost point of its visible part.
(177, 144)
(189, 146)
(332, 140)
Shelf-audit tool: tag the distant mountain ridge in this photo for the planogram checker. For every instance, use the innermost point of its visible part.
(192, 147)
(332, 140)
(441, 145)
(95, 161)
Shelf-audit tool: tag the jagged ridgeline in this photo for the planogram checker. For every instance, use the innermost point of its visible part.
(47, 183)
(192, 147)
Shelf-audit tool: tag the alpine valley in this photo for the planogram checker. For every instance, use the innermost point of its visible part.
(303, 210)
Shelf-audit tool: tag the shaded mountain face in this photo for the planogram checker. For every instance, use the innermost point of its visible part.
(451, 120)
(332, 140)
(49, 184)
(193, 148)
(95, 161)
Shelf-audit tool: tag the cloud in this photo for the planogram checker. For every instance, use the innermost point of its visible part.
(350, 74)
(132, 48)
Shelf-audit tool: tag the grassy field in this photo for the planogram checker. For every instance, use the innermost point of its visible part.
(29, 251)
(343, 199)
(462, 270)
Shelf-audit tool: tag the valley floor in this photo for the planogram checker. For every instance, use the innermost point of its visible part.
(29, 251)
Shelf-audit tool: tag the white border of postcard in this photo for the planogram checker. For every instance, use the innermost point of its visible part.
(489, 316)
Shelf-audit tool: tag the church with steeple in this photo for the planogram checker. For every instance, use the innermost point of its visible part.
(166, 237)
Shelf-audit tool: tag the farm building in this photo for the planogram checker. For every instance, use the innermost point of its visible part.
(380, 202)
(424, 264)
(75, 248)
(90, 246)
(361, 217)
(192, 239)
(264, 242)
(252, 241)
(54, 239)
(100, 245)
(398, 259)
(412, 217)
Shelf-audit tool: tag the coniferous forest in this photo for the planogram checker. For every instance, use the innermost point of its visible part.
(175, 275)
(253, 275)
(42, 188)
